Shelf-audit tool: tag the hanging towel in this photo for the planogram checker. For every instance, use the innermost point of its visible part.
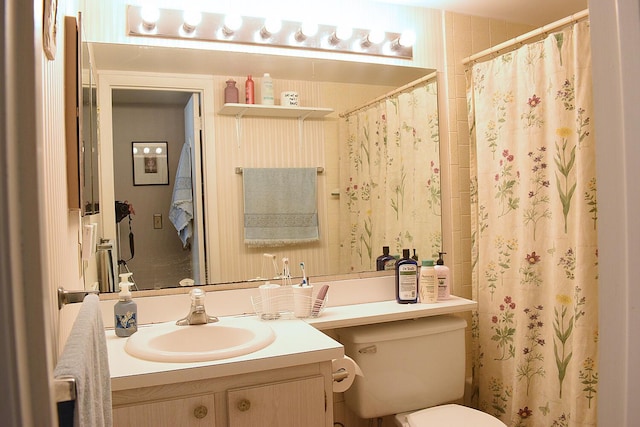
(85, 358)
(280, 206)
(181, 211)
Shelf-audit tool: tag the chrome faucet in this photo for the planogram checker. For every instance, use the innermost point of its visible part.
(197, 314)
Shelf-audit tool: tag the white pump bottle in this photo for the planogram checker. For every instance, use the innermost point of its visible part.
(126, 310)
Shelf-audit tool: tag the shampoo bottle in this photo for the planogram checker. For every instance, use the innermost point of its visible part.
(383, 259)
(406, 279)
(249, 91)
(427, 285)
(266, 91)
(442, 274)
(125, 310)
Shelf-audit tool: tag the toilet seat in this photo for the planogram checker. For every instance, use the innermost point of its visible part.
(448, 416)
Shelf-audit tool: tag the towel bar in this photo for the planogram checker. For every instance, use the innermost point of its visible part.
(239, 170)
(64, 389)
(68, 297)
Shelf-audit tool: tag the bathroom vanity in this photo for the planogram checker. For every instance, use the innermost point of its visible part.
(288, 383)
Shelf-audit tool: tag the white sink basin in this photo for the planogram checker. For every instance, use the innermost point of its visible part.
(167, 342)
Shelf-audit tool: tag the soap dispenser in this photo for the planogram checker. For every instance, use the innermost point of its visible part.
(126, 310)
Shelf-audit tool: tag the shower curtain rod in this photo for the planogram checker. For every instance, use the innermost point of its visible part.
(510, 44)
(390, 94)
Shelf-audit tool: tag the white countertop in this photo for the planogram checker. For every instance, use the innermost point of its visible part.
(297, 342)
(386, 311)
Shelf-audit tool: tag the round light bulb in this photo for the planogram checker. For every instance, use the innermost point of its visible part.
(376, 36)
(344, 33)
(233, 22)
(145, 150)
(309, 29)
(192, 18)
(272, 25)
(150, 15)
(407, 38)
(158, 150)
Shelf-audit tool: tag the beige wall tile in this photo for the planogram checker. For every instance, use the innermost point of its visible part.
(481, 36)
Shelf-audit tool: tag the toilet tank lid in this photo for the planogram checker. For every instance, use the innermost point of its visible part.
(401, 329)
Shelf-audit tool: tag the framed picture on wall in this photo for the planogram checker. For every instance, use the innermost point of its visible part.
(150, 163)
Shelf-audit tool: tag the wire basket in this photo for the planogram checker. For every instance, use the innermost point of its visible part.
(283, 304)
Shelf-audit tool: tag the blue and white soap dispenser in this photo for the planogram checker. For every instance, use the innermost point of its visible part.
(126, 310)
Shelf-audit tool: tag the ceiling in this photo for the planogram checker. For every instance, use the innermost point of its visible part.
(532, 12)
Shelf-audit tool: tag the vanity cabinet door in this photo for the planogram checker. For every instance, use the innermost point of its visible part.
(282, 404)
(197, 411)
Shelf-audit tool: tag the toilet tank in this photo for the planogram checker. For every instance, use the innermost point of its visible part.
(407, 365)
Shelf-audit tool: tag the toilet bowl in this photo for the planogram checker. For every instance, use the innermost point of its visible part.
(447, 416)
(413, 368)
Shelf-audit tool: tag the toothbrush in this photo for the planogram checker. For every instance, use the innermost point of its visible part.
(304, 275)
(273, 261)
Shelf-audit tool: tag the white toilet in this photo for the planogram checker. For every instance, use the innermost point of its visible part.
(410, 365)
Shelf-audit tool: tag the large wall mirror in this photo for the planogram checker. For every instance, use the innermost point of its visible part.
(137, 104)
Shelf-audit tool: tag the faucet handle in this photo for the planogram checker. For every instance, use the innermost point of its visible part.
(197, 295)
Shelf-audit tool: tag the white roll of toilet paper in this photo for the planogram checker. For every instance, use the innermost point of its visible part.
(344, 373)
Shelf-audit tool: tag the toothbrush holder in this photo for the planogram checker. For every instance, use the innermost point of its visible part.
(302, 300)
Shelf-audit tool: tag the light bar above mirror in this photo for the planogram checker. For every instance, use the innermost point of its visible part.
(270, 31)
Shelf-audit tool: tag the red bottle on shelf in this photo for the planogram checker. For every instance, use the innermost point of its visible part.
(249, 91)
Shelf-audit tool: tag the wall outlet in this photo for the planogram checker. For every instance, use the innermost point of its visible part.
(157, 221)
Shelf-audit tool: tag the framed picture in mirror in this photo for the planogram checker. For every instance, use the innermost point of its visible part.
(150, 163)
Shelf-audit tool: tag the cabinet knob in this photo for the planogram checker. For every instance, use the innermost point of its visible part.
(200, 412)
(244, 405)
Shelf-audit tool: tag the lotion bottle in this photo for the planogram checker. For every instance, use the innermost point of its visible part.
(427, 284)
(442, 274)
(266, 91)
(125, 310)
(406, 279)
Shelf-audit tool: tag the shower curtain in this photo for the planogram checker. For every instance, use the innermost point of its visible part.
(390, 179)
(534, 228)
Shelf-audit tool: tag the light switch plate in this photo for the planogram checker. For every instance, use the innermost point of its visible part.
(157, 221)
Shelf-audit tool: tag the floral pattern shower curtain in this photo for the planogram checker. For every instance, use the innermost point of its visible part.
(534, 215)
(390, 179)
